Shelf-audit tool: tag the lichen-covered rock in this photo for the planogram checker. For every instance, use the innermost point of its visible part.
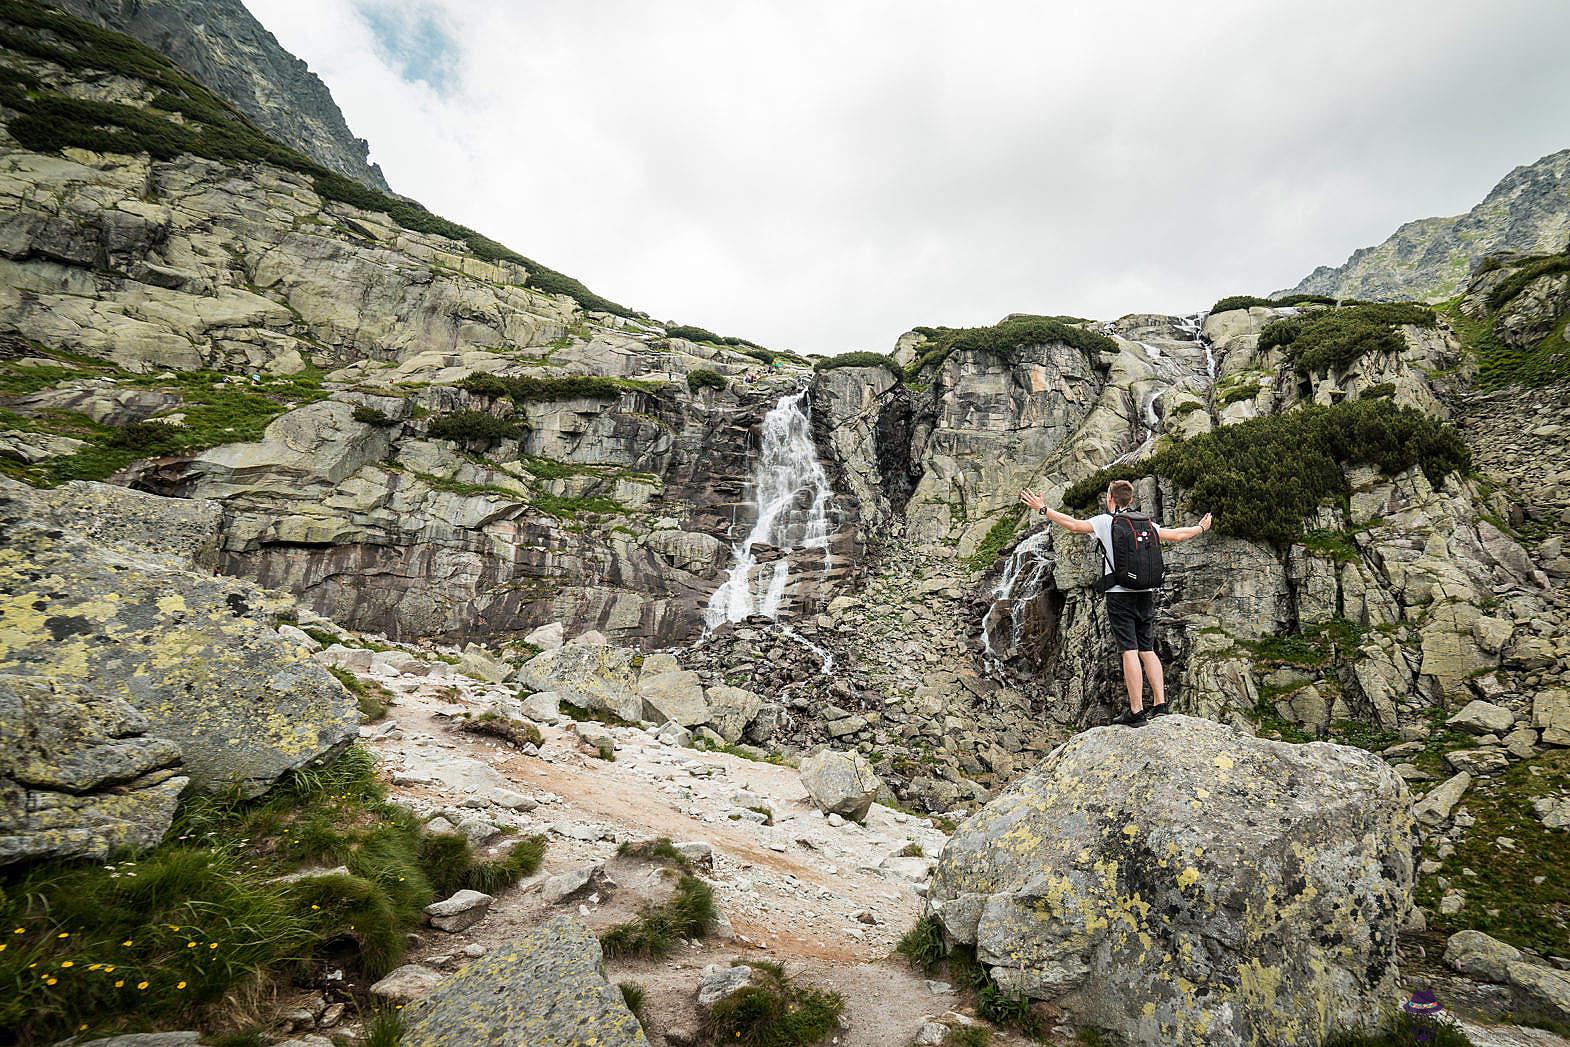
(546, 989)
(193, 654)
(599, 677)
(78, 774)
(1188, 884)
(842, 783)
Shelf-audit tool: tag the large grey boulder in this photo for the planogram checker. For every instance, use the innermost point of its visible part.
(195, 655)
(1186, 883)
(545, 989)
(842, 783)
(595, 676)
(1482, 717)
(676, 695)
(78, 774)
(731, 710)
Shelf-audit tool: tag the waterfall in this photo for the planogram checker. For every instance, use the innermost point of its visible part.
(791, 492)
(1019, 584)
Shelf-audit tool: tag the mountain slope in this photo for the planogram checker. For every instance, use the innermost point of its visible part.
(226, 48)
(1431, 258)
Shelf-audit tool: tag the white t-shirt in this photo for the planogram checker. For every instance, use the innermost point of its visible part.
(1102, 525)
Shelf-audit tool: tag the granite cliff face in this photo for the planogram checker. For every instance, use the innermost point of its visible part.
(1431, 259)
(225, 47)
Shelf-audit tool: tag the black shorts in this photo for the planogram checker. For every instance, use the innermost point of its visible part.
(1133, 617)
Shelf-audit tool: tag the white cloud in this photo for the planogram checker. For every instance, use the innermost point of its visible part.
(824, 175)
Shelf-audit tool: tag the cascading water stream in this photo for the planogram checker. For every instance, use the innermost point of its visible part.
(792, 495)
(1020, 583)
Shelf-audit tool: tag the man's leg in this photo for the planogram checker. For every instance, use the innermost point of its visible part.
(1134, 678)
(1152, 666)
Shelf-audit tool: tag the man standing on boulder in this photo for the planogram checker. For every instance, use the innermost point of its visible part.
(1131, 571)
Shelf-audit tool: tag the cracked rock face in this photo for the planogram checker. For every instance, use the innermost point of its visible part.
(79, 776)
(181, 656)
(1186, 883)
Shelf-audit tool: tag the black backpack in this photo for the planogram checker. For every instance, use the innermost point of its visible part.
(1136, 553)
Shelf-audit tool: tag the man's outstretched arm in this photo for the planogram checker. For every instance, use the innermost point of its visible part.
(1183, 534)
(1063, 520)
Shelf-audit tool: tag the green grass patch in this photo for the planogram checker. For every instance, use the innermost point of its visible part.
(50, 120)
(1333, 339)
(564, 507)
(586, 715)
(167, 938)
(215, 410)
(656, 850)
(1000, 534)
(1404, 1030)
(774, 1011)
(659, 928)
(1503, 897)
(968, 1036)
(371, 697)
(923, 944)
(1500, 364)
(1005, 339)
(1263, 476)
(1530, 270)
(1328, 544)
(371, 416)
(634, 996)
(1316, 646)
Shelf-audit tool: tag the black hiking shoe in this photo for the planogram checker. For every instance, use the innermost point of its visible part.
(1161, 710)
(1129, 718)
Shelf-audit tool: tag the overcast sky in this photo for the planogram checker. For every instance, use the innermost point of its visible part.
(826, 175)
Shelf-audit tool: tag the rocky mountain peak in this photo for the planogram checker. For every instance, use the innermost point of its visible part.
(226, 48)
(1431, 259)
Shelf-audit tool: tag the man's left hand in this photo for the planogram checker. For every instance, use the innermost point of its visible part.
(1032, 499)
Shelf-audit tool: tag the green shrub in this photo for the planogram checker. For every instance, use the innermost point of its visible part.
(658, 929)
(1332, 339)
(472, 427)
(148, 438)
(860, 359)
(1382, 391)
(51, 120)
(1006, 338)
(774, 1011)
(1261, 477)
(1249, 301)
(371, 416)
(699, 334)
(1241, 301)
(703, 378)
(524, 389)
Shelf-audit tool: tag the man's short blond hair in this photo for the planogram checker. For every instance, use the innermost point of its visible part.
(1121, 492)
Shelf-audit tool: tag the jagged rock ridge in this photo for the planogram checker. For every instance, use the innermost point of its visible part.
(225, 47)
(1431, 258)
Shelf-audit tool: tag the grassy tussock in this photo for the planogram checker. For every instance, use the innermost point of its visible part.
(1405, 1030)
(175, 936)
(658, 929)
(774, 1011)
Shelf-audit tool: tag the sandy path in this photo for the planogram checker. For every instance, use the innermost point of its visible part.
(792, 890)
